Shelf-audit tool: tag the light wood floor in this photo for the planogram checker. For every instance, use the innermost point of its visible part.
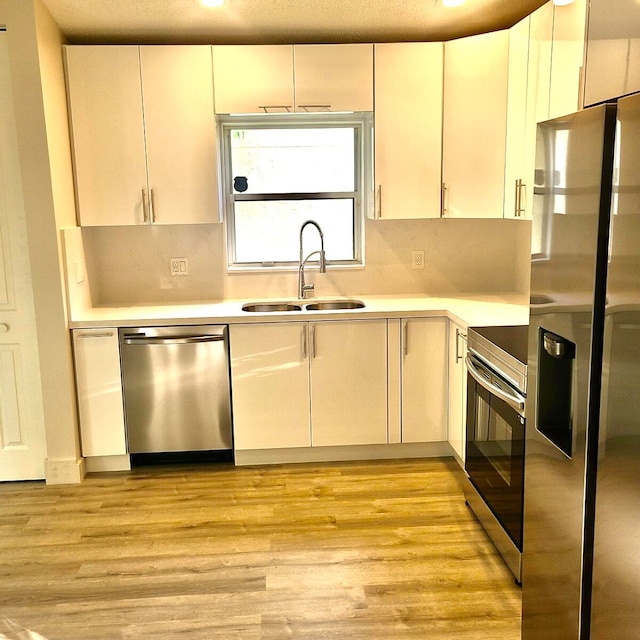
(358, 550)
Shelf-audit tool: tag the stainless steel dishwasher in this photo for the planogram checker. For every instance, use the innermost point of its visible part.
(176, 388)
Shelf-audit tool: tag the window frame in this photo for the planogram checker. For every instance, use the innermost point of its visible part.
(361, 122)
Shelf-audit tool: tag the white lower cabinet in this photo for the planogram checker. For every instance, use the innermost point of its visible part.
(423, 380)
(99, 387)
(348, 382)
(300, 384)
(457, 389)
(270, 385)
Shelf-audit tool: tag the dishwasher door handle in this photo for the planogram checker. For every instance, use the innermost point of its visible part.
(168, 340)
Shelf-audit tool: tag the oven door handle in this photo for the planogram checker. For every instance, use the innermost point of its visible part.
(514, 400)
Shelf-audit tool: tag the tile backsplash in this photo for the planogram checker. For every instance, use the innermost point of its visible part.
(130, 265)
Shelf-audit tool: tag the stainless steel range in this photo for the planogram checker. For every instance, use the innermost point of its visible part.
(494, 463)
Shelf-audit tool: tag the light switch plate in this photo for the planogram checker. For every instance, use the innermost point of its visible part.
(417, 259)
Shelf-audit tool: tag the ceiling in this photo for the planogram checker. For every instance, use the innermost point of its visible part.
(280, 21)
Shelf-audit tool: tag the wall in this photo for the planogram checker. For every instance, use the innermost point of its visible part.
(34, 49)
(130, 265)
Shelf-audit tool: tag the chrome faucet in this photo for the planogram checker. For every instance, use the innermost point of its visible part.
(303, 288)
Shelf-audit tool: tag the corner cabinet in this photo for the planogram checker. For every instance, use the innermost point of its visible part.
(457, 400)
(99, 388)
(301, 384)
(408, 129)
(143, 130)
(474, 125)
(293, 78)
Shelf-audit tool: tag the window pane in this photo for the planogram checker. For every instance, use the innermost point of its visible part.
(317, 160)
(270, 231)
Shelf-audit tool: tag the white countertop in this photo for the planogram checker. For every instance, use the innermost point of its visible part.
(469, 310)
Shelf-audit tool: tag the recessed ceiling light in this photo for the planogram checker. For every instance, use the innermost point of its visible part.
(562, 3)
(452, 3)
(212, 3)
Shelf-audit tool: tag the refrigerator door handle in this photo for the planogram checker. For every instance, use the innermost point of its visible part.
(514, 400)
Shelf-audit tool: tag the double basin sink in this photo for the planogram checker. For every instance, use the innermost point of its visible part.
(320, 305)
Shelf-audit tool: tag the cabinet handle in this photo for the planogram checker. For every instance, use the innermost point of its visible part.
(522, 199)
(104, 334)
(313, 340)
(304, 342)
(379, 199)
(145, 211)
(152, 205)
(445, 195)
(326, 107)
(405, 338)
(520, 209)
(266, 107)
(4, 327)
(459, 335)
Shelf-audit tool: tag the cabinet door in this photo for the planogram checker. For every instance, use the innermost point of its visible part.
(177, 86)
(349, 382)
(105, 105)
(475, 113)
(567, 57)
(515, 180)
(424, 380)
(408, 129)
(253, 79)
(333, 77)
(457, 389)
(538, 85)
(99, 386)
(270, 385)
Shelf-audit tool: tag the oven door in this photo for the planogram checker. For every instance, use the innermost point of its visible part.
(495, 445)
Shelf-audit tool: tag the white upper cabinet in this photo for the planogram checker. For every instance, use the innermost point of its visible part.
(333, 77)
(567, 58)
(613, 51)
(516, 186)
(474, 125)
(253, 79)
(289, 78)
(408, 129)
(143, 134)
(105, 104)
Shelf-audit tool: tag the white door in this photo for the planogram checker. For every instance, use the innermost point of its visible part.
(22, 437)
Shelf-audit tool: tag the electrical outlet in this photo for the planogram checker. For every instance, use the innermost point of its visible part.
(417, 259)
(179, 266)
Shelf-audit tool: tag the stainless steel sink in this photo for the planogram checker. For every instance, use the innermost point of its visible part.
(334, 305)
(267, 307)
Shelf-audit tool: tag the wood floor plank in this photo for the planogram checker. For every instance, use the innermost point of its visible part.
(370, 550)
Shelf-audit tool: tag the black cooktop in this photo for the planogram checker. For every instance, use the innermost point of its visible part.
(513, 339)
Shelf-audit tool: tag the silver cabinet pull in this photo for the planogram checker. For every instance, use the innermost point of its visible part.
(405, 338)
(304, 342)
(266, 107)
(306, 107)
(459, 334)
(145, 210)
(519, 208)
(313, 340)
(102, 334)
(152, 205)
(379, 199)
(445, 196)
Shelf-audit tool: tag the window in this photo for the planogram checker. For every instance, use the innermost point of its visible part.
(281, 170)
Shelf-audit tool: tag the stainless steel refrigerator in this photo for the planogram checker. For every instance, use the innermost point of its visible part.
(581, 547)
